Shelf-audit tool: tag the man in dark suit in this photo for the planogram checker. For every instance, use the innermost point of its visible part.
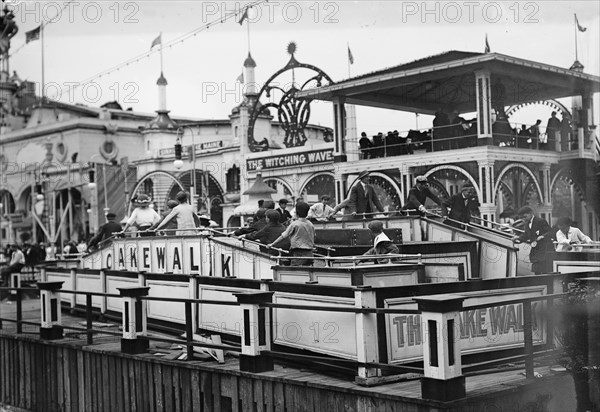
(106, 230)
(363, 198)
(538, 233)
(462, 206)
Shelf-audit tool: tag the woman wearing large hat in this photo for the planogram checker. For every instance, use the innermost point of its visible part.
(143, 216)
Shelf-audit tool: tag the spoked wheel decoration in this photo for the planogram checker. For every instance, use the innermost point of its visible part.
(293, 114)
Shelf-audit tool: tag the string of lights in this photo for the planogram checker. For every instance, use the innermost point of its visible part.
(42, 25)
(178, 40)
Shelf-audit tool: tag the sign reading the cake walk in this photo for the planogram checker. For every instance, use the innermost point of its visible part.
(289, 160)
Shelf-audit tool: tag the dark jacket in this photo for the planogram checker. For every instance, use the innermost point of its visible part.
(269, 234)
(460, 209)
(284, 215)
(364, 204)
(418, 197)
(105, 232)
(537, 254)
(255, 227)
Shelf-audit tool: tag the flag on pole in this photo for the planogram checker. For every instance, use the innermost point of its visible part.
(157, 41)
(579, 26)
(244, 16)
(240, 78)
(487, 45)
(350, 56)
(32, 35)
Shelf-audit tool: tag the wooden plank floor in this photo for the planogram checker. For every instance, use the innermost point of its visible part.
(476, 386)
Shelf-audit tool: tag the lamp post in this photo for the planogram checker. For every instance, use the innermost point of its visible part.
(178, 163)
(106, 208)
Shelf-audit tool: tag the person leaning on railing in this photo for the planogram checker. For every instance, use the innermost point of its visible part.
(301, 234)
(567, 236)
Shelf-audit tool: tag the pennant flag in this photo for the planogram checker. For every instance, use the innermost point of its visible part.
(579, 26)
(240, 78)
(487, 45)
(244, 16)
(156, 41)
(350, 56)
(32, 35)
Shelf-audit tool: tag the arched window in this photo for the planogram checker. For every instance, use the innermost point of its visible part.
(233, 179)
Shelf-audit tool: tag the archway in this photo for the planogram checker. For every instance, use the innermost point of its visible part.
(449, 179)
(521, 182)
(283, 189)
(386, 189)
(208, 191)
(158, 185)
(318, 185)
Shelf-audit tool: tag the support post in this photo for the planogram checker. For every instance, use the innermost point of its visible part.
(50, 327)
(256, 332)
(442, 364)
(73, 297)
(367, 342)
(15, 282)
(134, 320)
(484, 107)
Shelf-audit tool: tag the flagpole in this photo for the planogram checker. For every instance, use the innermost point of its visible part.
(575, 21)
(43, 68)
(248, 28)
(348, 46)
(161, 53)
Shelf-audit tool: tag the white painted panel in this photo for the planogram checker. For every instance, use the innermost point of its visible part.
(120, 255)
(333, 333)
(108, 258)
(67, 285)
(334, 279)
(89, 283)
(167, 311)
(570, 266)
(112, 283)
(497, 326)
(159, 258)
(192, 256)
(144, 251)
(220, 318)
(131, 257)
(175, 256)
(439, 233)
(493, 261)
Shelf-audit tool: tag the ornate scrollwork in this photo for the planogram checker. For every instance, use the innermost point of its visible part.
(293, 114)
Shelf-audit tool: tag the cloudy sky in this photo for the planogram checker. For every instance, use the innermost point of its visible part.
(86, 38)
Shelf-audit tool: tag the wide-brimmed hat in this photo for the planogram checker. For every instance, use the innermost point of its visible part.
(143, 199)
(421, 179)
(363, 174)
(110, 215)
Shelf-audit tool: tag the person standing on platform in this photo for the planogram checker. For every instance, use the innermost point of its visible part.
(184, 215)
(462, 206)
(567, 236)
(17, 261)
(301, 234)
(143, 216)
(363, 198)
(106, 231)
(321, 211)
(552, 128)
(284, 214)
(538, 233)
(417, 196)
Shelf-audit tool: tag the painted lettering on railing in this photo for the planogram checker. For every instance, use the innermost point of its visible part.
(160, 257)
(176, 258)
(146, 258)
(109, 261)
(133, 256)
(192, 265)
(488, 324)
(121, 258)
(226, 271)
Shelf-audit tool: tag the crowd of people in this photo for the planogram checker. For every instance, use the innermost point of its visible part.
(293, 230)
(452, 131)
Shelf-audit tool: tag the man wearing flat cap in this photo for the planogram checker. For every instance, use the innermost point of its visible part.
(106, 230)
(415, 205)
(363, 198)
(284, 214)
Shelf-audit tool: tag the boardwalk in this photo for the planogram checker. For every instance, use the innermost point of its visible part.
(153, 381)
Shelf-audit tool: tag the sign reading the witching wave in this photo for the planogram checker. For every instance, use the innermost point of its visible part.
(293, 159)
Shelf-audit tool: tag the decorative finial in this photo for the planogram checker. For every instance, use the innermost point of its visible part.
(291, 48)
